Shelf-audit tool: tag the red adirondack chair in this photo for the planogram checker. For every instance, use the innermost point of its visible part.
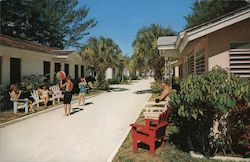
(151, 132)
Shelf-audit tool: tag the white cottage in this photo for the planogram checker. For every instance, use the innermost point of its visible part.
(19, 58)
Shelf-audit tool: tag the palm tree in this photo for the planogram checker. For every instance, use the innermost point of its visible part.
(101, 53)
(145, 48)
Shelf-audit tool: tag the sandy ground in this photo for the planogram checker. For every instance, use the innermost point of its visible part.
(89, 135)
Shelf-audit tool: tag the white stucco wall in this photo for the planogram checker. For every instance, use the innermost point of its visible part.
(221, 59)
(32, 62)
(109, 73)
(176, 70)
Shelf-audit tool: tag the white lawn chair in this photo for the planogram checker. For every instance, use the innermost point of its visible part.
(154, 111)
(57, 93)
(37, 99)
(35, 95)
(20, 104)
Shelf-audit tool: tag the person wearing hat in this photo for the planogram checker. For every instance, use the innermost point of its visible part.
(67, 95)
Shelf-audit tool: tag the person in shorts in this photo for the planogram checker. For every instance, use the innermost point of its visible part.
(82, 91)
(67, 95)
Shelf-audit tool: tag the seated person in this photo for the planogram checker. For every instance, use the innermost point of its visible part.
(44, 92)
(15, 96)
(166, 91)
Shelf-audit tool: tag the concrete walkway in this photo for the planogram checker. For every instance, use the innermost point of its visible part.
(91, 135)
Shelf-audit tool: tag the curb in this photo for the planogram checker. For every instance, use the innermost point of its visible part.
(223, 158)
(40, 112)
(124, 137)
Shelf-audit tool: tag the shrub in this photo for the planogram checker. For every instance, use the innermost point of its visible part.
(114, 81)
(134, 76)
(156, 88)
(204, 101)
(101, 85)
(32, 81)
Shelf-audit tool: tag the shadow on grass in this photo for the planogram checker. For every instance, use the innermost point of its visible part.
(144, 91)
(146, 147)
(179, 141)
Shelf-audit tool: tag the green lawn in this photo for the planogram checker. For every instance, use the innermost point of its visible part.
(169, 153)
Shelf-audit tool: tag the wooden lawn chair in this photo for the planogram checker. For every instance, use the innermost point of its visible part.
(151, 132)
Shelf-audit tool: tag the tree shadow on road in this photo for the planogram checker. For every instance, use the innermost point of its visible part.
(118, 89)
(144, 91)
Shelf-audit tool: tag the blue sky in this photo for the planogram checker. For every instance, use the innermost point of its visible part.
(121, 19)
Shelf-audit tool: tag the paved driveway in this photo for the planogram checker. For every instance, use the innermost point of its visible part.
(93, 134)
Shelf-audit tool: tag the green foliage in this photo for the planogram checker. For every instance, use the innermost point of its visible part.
(146, 55)
(205, 10)
(156, 88)
(133, 76)
(102, 53)
(239, 129)
(205, 98)
(114, 80)
(49, 22)
(30, 82)
(101, 85)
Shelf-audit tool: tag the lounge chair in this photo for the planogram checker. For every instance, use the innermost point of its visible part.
(36, 97)
(56, 92)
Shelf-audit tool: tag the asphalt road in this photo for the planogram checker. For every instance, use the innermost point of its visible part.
(91, 135)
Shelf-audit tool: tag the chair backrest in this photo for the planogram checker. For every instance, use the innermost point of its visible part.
(163, 117)
(162, 123)
(35, 95)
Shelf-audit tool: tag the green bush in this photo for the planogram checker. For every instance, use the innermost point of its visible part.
(204, 99)
(114, 81)
(156, 88)
(32, 81)
(134, 76)
(101, 85)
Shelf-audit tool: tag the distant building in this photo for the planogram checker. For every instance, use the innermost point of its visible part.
(19, 58)
(109, 73)
(224, 41)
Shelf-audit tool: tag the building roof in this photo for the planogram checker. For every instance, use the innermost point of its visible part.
(203, 29)
(17, 43)
(167, 42)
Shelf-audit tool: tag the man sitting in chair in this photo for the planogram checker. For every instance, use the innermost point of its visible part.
(166, 91)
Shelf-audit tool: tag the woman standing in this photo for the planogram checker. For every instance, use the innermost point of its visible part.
(83, 89)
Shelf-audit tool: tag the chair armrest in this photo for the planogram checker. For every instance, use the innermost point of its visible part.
(21, 100)
(137, 125)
